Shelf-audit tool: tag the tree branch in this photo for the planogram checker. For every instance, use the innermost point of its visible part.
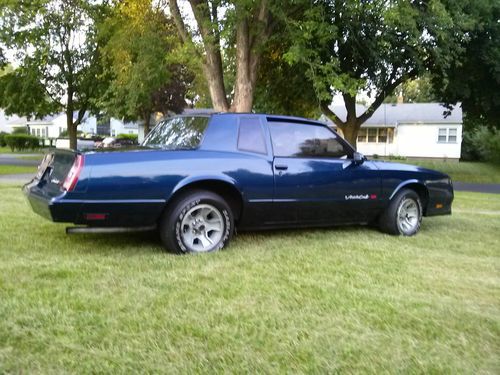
(331, 115)
(179, 23)
(386, 91)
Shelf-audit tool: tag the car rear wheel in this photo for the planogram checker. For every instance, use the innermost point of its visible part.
(403, 216)
(198, 222)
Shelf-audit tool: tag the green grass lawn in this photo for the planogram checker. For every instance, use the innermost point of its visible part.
(464, 171)
(331, 300)
(17, 169)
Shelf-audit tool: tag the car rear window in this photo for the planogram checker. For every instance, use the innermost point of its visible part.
(178, 133)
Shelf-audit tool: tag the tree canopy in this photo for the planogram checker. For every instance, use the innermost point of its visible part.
(243, 24)
(473, 77)
(144, 74)
(56, 46)
(369, 46)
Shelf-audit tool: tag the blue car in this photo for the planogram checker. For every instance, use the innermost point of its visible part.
(199, 178)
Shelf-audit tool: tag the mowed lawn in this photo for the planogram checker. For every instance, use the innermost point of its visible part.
(331, 300)
(464, 171)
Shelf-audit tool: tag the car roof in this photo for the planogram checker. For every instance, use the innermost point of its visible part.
(273, 117)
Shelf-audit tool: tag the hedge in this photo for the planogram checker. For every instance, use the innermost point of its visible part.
(2, 139)
(22, 142)
(132, 137)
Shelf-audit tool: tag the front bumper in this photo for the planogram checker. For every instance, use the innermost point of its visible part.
(441, 197)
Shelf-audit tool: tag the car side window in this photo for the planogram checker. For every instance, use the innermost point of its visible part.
(304, 140)
(250, 136)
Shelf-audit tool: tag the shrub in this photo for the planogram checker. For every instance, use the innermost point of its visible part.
(64, 134)
(132, 137)
(20, 130)
(22, 142)
(483, 143)
(2, 139)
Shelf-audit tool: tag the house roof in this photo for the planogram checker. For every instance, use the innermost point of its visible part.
(404, 113)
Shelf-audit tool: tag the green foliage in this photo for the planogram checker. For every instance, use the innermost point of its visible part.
(64, 133)
(132, 137)
(284, 88)
(21, 142)
(473, 78)
(20, 130)
(2, 139)
(140, 60)
(57, 49)
(418, 90)
(369, 46)
(482, 143)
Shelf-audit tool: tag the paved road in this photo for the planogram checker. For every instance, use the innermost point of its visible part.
(15, 159)
(16, 179)
(478, 188)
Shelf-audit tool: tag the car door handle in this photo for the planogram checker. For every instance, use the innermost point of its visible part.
(281, 167)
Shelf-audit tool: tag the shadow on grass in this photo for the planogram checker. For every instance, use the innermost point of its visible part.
(149, 242)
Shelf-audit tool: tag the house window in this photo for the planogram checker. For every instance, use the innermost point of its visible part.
(376, 135)
(372, 135)
(362, 135)
(447, 135)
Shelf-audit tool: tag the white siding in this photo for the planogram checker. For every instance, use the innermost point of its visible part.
(119, 127)
(3, 122)
(421, 140)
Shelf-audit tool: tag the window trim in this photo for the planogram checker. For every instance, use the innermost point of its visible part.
(447, 136)
(377, 128)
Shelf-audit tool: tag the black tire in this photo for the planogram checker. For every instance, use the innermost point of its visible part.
(396, 220)
(182, 226)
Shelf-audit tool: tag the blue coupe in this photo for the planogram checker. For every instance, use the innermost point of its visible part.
(198, 178)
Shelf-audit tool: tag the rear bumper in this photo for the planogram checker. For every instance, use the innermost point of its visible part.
(47, 205)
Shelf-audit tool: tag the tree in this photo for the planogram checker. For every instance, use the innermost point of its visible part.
(140, 62)
(418, 90)
(369, 46)
(474, 77)
(57, 48)
(244, 24)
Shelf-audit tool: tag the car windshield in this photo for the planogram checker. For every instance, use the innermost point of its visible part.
(177, 133)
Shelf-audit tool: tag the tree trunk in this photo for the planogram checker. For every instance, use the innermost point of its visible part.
(350, 133)
(69, 121)
(246, 70)
(71, 130)
(147, 119)
(214, 76)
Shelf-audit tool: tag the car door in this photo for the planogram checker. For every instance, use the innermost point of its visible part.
(316, 180)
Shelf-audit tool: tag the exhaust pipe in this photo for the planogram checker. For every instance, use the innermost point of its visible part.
(76, 230)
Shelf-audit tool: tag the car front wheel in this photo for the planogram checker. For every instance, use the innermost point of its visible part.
(199, 222)
(403, 216)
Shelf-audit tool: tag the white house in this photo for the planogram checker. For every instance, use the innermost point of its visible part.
(413, 130)
(52, 126)
(9, 123)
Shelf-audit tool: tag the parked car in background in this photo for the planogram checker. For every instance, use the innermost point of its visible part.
(112, 142)
(82, 143)
(197, 178)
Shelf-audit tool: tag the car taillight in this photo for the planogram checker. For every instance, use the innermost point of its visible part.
(73, 174)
